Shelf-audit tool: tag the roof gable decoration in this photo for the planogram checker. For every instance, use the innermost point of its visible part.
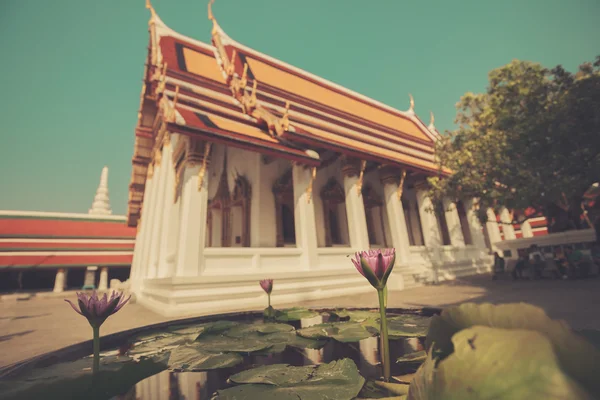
(221, 39)
(275, 125)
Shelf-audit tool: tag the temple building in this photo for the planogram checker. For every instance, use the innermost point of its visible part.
(246, 167)
(42, 251)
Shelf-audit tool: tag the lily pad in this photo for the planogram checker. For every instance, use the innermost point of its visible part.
(192, 357)
(220, 343)
(578, 358)
(340, 331)
(398, 329)
(419, 356)
(338, 380)
(159, 345)
(244, 329)
(355, 315)
(294, 314)
(216, 327)
(501, 364)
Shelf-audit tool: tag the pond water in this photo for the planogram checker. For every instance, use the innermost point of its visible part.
(196, 361)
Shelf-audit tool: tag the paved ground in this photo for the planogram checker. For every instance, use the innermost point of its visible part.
(39, 325)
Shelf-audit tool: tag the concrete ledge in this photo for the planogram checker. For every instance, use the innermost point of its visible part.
(178, 298)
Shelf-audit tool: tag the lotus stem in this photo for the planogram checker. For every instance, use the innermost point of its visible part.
(96, 367)
(385, 344)
(269, 297)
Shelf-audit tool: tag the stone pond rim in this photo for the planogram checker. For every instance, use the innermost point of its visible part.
(82, 349)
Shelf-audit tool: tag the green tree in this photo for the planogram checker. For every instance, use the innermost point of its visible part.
(531, 140)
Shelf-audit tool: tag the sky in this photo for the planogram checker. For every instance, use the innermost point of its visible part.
(71, 70)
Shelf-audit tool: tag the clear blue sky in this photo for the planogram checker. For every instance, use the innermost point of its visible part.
(71, 70)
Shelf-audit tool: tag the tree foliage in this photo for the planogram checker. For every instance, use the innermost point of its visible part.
(531, 140)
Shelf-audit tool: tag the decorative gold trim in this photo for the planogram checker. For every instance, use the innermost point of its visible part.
(151, 24)
(202, 171)
(309, 189)
(171, 114)
(158, 156)
(238, 85)
(150, 173)
(401, 184)
(162, 80)
(363, 165)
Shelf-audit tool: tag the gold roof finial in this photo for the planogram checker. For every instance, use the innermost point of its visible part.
(211, 16)
(244, 80)
(412, 103)
(432, 118)
(152, 11)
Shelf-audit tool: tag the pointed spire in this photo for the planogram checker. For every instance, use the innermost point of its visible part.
(431, 126)
(411, 110)
(211, 17)
(101, 204)
(152, 11)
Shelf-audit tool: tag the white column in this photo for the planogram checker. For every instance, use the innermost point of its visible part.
(453, 221)
(192, 233)
(304, 216)
(355, 209)
(507, 227)
(397, 222)
(168, 222)
(493, 229)
(526, 229)
(475, 225)
(89, 279)
(103, 282)
(137, 268)
(160, 211)
(431, 232)
(59, 281)
(398, 228)
(150, 213)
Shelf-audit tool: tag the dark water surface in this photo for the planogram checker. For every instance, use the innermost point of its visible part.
(177, 385)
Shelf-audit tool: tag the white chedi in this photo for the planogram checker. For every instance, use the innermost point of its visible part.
(101, 204)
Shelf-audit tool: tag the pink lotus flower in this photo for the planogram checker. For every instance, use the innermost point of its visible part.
(267, 285)
(96, 309)
(375, 265)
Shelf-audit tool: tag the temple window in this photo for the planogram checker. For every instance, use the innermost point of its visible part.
(374, 215)
(334, 211)
(228, 219)
(464, 222)
(440, 215)
(283, 190)
(240, 213)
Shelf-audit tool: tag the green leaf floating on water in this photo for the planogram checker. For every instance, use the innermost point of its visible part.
(193, 357)
(73, 380)
(340, 331)
(338, 380)
(163, 342)
(577, 358)
(500, 364)
(405, 326)
(294, 314)
(418, 356)
(355, 315)
(259, 328)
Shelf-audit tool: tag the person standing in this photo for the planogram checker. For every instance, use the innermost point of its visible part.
(499, 265)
